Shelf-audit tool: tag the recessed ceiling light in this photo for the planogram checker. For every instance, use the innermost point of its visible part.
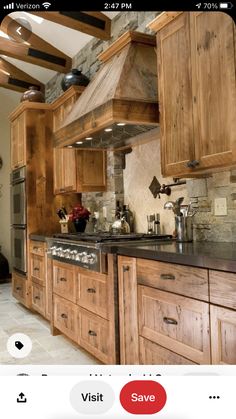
(88, 138)
(120, 124)
(79, 142)
(108, 129)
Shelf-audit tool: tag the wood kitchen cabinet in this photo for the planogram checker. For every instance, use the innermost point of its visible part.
(84, 308)
(157, 324)
(128, 313)
(175, 314)
(79, 170)
(177, 323)
(223, 335)
(75, 170)
(18, 142)
(197, 91)
(20, 287)
(40, 278)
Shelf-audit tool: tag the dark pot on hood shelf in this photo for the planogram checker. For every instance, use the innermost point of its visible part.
(75, 77)
(33, 95)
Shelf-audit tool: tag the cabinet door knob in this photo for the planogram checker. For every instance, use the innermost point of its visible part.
(192, 164)
(37, 297)
(125, 268)
(167, 276)
(36, 269)
(64, 316)
(62, 279)
(91, 290)
(169, 320)
(18, 288)
(92, 333)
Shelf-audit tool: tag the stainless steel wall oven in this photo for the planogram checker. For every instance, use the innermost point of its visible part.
(18, 219)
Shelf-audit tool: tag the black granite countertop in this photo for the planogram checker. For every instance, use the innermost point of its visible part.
(219, 256)
(38, 237)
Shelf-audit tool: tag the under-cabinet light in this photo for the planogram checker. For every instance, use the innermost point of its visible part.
(108, 129)
(88, 138)
(79, 142)
(120, 124)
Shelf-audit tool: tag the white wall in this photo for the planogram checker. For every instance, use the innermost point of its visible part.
(141, 165)
(8, 102)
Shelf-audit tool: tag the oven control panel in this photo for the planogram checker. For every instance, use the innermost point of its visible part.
(81, 255)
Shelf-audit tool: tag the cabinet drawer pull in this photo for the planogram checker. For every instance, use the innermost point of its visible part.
(36, 269)
(18, 288)
(91, 290)
(192, 164)
(125, 268)
(167, 276)
(37, 297)
(169, 320)
(36, 248)
(92, 333)
(64, 316)
(62, 279)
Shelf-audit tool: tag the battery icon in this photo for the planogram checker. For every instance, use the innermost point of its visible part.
(225, 5)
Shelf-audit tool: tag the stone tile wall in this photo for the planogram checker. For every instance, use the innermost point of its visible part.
(144, 163)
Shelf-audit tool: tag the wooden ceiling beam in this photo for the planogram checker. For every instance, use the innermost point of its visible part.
(93, 23)
(12, 28)
(11, 77)
(25, 52)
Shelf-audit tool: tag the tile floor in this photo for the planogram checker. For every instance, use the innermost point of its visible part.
(47, 349)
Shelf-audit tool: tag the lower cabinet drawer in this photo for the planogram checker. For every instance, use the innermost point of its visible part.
(92, 293)
(64, 280)
(177, 323)
(152, 354)
(94, 335)
(19, 287)
(66, 317)
(38, 298)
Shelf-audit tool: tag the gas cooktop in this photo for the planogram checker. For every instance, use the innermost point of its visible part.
(101, 237)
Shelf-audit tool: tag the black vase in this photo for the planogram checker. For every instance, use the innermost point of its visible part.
(75, 77)
(80, 225)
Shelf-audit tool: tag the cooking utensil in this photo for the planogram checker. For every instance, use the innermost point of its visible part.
(184, 210)
(170, 205)
(61, 214)
(177, 205)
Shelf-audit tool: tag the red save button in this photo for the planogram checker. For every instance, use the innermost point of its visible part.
(143, 397)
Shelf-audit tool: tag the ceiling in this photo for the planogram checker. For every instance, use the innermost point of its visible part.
(67, 40)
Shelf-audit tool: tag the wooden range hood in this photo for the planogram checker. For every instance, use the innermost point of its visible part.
(120, 102)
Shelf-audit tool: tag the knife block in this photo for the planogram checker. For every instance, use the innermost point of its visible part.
(64, 226)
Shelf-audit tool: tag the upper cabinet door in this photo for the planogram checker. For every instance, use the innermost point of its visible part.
(18, 142)
(214, 88)
(175, 96)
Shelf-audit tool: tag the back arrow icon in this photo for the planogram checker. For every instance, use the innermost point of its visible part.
(18, 30)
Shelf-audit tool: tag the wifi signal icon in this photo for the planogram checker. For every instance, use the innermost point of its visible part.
(46, 5)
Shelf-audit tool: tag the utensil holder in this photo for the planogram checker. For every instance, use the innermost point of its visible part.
(184, 228)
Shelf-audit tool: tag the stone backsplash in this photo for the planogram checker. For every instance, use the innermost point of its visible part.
(144, 162)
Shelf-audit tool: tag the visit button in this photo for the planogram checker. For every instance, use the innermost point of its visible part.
(143, 397)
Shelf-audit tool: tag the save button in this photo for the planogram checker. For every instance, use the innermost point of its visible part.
(142, 397)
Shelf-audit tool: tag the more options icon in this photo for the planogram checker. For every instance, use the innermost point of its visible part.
(19, 345)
